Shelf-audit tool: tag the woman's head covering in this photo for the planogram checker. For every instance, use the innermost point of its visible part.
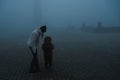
(43, 28)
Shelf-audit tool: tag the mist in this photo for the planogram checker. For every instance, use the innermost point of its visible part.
(23, 15)
(78, 11)
(80, 44)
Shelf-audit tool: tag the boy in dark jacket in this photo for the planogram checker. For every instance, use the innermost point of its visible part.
(47, 48)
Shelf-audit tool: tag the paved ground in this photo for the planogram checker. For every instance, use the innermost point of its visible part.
(82, 57)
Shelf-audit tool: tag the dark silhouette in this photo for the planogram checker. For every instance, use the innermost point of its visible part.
(83, 26)
(99, 25)
(48, 47)
(33, 46)
(34, 64)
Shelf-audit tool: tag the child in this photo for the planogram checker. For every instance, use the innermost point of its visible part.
(47, 48)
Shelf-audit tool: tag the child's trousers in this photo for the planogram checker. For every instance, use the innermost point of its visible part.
(48, 59)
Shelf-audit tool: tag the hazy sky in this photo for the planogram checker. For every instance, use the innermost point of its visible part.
(79, 11)
(29, 13)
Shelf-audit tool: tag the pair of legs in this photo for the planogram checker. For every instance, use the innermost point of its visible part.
(34, 64)
(48, 59)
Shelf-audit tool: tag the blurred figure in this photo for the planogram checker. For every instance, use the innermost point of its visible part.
(99, 24)
(83, 26)
(48, 47)
(33, 43)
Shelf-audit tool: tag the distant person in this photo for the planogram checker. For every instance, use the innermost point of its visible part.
(83, 26)
(48, 47)
(99, 24)
(33, 43)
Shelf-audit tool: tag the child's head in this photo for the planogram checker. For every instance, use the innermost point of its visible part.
(47, 40)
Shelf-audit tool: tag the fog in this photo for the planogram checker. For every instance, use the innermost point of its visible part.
(25, 15)
(64, 18)
(83, 49)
